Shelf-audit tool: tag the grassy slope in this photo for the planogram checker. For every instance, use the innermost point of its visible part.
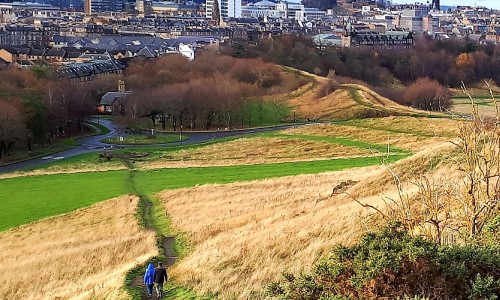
(162, 179)
(96, 245)
(55, 194)
(27, 199)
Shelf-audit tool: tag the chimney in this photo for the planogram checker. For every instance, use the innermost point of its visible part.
(121, 86)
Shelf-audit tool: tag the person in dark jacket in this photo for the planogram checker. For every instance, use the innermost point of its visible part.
(160, 278)
(149, 278)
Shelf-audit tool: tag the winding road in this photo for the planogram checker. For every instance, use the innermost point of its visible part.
(95, 144)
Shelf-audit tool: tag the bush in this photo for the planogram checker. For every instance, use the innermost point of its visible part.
(427, 94)
(326, 89)
(390, 263)
(254, 71)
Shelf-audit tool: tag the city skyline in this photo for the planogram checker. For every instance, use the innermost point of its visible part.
(487, 3)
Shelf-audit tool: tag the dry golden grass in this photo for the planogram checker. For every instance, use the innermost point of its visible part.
(246, 234)
(255, 151)
(66, 169)
(418, 126)
(332, 105)
(81, 255)
(369, 135)
(483, 110)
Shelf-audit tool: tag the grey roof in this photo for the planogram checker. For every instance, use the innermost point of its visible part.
(475, 37)
(145, 52)
(55, 53)
(110, 97)
(37, 52)
(135, 44)
(91, 68)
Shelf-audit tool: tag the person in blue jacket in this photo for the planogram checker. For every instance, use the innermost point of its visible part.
(149, 278)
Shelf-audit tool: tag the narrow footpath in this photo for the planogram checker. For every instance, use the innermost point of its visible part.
(166, 244)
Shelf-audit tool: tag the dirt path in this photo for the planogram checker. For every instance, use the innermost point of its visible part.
(147, 212)
(166, 248)
(167, 242)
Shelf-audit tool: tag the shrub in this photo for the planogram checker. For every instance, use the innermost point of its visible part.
(326, 89)
(390, 263)
(427, 94)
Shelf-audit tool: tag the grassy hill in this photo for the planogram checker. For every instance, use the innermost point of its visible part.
(246, 209)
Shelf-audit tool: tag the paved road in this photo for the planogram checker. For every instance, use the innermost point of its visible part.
(94, 144)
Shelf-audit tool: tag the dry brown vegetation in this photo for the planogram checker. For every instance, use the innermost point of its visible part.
(255, 151)
(485, 107)
(67, 169)
(381, 136)
(81, 255)
(246, 234)
(417, 126)
(340, 103)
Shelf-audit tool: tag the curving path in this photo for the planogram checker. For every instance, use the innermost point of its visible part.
(94, 144)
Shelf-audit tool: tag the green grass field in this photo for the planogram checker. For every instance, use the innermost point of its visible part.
(152, 181)
(27, 199)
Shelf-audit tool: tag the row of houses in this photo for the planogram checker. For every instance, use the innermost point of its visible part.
(65, 50)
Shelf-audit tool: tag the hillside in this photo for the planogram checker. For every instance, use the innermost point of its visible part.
(245, 235)
(81, 255)
(346, 102)
(245, 209)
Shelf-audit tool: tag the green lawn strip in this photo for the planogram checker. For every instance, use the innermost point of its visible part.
(152, 181)
(145, 139)
(477, 101)
(27, 199)
(342, 141)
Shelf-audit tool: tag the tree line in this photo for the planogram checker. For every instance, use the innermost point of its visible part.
(213, 90)
(37, 107)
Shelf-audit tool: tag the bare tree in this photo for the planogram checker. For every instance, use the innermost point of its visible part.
(12, 128)
(454, 207)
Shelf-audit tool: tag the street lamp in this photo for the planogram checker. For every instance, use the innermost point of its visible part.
(29, 144)
(180, 135)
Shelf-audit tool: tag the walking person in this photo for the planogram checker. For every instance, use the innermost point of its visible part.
(149, 278)
(160, 278)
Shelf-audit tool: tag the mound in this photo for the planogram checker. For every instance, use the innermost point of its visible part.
(347, 102)
(246, 234)
(246, 151)
(80, 255)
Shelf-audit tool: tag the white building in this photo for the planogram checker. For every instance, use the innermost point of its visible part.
(186, 51)
(227, 8)
(261, 9)
(309, 14)
(282, 10)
